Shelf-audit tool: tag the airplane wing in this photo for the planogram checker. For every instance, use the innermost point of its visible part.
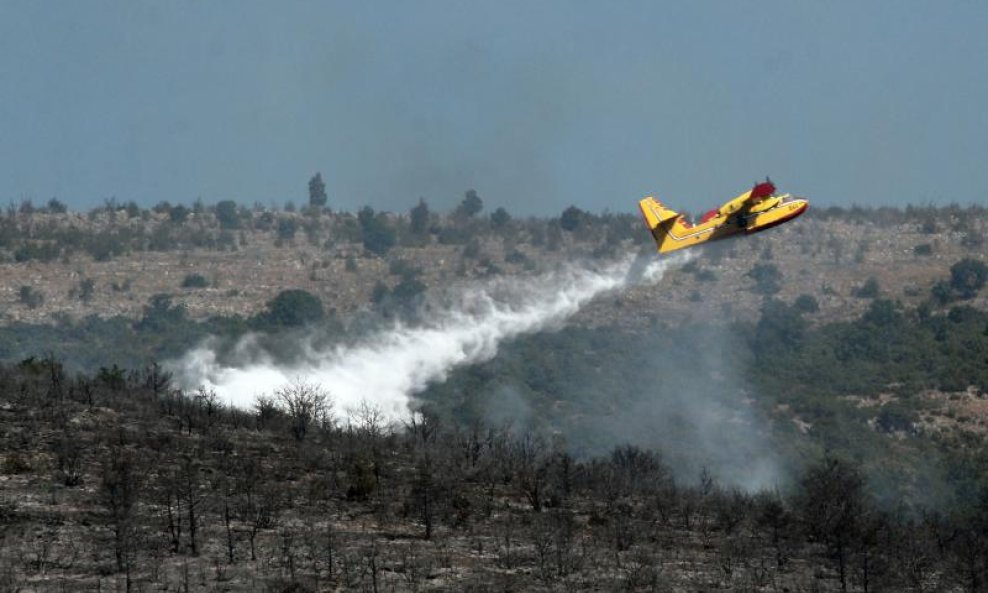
(742, 203)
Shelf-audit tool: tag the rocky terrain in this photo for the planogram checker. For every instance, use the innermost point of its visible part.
(240, 269)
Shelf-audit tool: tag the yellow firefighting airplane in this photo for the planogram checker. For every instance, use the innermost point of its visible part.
(755, 210)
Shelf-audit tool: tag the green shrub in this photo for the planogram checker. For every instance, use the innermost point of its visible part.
(195, 281)
(967, 277)
(868, 290)
(226, 214)
(30, 297)
(378, 235)
(572, 219)
(896, 418)
(286, 228)
(84, 291)
(806, 303)
(767, 277)
(292, 308)
(35, 251)
(500, 218)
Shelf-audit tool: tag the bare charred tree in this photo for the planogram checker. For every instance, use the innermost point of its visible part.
(207, 408)
(423, 493)
(530, 455)
(329, 546)
(265, 410)
(969, 545)
(259, 501)
(68, 456)
(423, 429)
(663, 500)
(188, 413)
(731, 509)
(493, 467)
(56, 378)
(774, 519)
(832, 506)
(122, 480)
(642, 572)
(226, 488)
(552, 535)
(289, 555)
(871, 549)
(171, 500)
(637, 470)
(305, 404)
(83, 389)
(429, 496)
(156, 380)
(192, 490)
(920, 546)
(368, 421)
(562, 477)
(40, 549)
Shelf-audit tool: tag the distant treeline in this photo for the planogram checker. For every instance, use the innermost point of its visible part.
(49, 232)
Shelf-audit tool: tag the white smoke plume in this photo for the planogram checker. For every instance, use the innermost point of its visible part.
(387, 368)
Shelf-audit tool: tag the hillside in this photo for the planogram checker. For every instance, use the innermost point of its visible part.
(112, 261)
(121, 483)
(799, 410)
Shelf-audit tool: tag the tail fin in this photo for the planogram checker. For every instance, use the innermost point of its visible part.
(655, 214)
(660, 221)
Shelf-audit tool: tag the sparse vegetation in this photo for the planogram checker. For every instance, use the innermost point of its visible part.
(767, 278)
(378, 235)
(317, 192)
(195, 281)
(806, 303)
(470, 206)
(185, 492)
(967, 278)
(291, 308)
(287, 494)
(226, 214)
(868, 290)
(30, 297)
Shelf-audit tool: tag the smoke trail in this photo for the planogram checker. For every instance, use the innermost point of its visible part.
(387, 368)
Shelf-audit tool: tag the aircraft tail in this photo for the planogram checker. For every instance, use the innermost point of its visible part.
(655, 213)
(663, 223)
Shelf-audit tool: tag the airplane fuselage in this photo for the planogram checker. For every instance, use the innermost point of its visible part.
(671, 231)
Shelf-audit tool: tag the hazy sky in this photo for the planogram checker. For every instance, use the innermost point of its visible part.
(536, 104)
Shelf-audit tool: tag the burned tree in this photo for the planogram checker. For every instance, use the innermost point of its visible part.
(122, 480)
(831, 504)
(306, 405)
